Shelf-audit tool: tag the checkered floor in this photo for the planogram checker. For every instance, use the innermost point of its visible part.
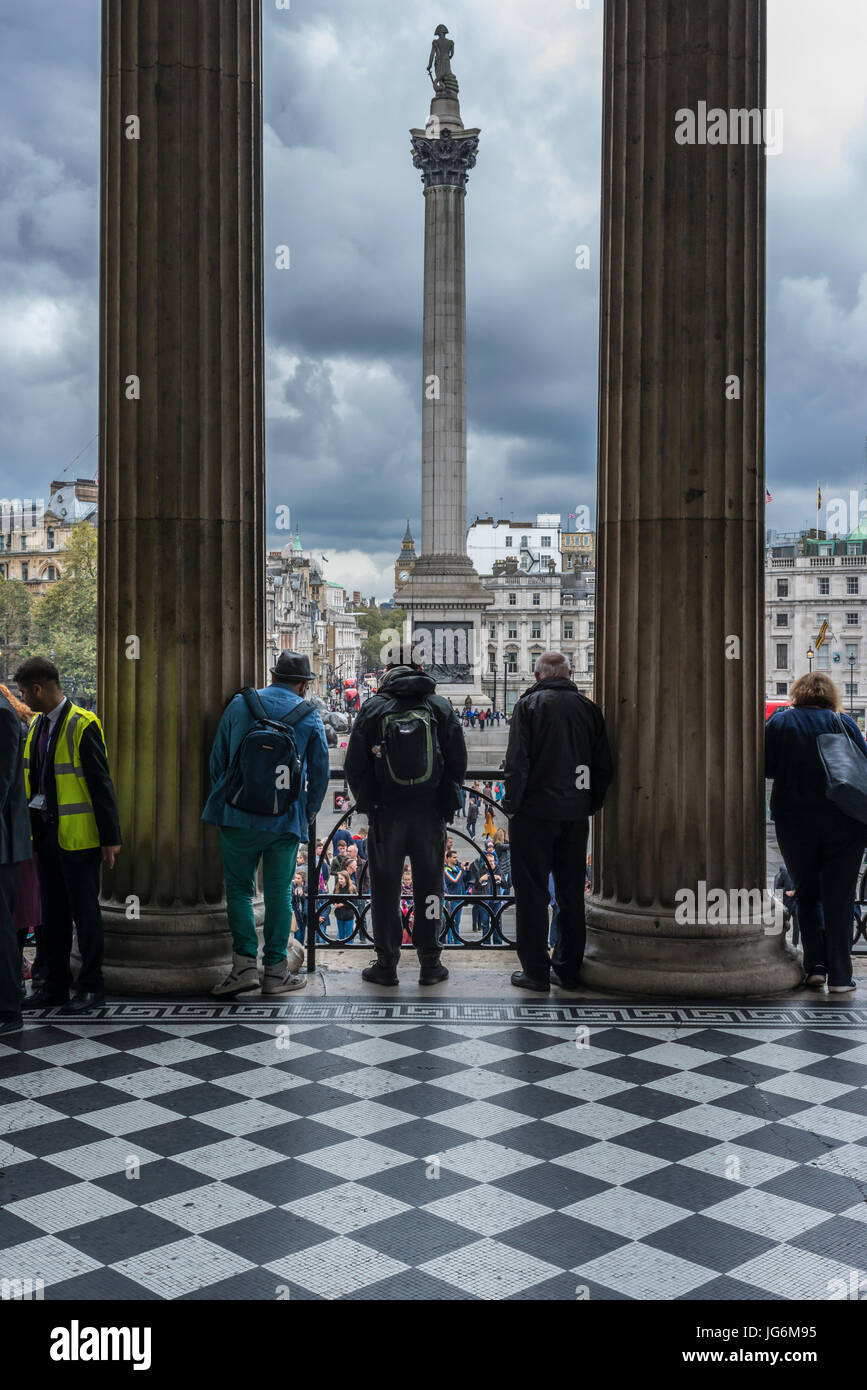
(365, 1151)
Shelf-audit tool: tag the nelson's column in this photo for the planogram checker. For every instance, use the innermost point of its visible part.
(444, 596)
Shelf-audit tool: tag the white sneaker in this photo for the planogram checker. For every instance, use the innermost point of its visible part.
(280, 979)
(843, 989)
(243, 976)
(296, 956)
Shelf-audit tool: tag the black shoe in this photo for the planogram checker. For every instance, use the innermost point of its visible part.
(11, 1024)
(84, 1000)
(41, 999)
(814, 979)
(433, 974)
(563, 983)
(522, 981)
(378, 973)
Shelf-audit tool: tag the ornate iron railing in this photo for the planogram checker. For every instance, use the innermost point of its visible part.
(487, 907)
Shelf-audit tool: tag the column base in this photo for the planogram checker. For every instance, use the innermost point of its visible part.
(165, 952)
(631, 952)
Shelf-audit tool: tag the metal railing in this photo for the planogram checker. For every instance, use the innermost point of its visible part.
(489, 905)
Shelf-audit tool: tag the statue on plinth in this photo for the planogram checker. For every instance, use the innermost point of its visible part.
(441, 54)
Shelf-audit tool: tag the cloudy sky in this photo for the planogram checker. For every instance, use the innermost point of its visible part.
(344, 81)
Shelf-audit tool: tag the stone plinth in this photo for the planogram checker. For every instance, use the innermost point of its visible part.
(681, 505)
(181, 511)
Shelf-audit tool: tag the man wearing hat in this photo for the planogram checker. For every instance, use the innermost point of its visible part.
(247, 838)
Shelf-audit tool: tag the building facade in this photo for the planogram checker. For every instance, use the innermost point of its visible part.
(812, 579)
(308, 614)
(33, 536)
(531, 614)
(533, 544)
(578, 549)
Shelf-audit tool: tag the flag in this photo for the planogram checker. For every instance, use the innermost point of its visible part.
(818, 497)
(823, 633)
(768, 497)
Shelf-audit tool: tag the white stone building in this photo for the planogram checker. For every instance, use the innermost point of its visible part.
(533, 613)
(308, 614)
(810, 580)
(533, 544)
(33, 534)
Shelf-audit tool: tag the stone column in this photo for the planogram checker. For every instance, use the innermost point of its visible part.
(181, 511)
(681, 504)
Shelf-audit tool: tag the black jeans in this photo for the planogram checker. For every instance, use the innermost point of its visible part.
(539, 848)
(822, 852)
(11, 987)
(69, 884)
(394, 834)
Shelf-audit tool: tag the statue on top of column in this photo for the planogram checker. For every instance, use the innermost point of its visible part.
(441, 54)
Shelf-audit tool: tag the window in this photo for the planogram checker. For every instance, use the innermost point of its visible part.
(52, 572)
(546, 542)
(537, 600)
(509, 540)
(23, 541)
(851, 619)
(782, 588)
(535, 630)
(591, 662)
(525, 542)
(492, 662)
(25, 571)
(492, 630)
(2, 542)
(513, 628)
(51, 538)
(851, 583)
(782, 620)
(513, 599)
(782, 688)
(824, 585)
(851, 688)
(591, 631)
(823, 657)
(782, 656)
(852, 651)
(826, 549)
(568, 631)
(512, 663)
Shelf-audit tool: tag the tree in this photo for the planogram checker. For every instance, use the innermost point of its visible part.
(65, 619)
(376, 621)
(16, 613)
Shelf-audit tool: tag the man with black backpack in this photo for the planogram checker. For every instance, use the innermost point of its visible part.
(405, 761)
(269, 776)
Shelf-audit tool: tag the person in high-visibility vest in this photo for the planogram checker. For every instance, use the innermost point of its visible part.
(75, 827)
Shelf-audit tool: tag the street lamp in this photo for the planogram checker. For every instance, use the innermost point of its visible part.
(810, 655)
(852, 684)
(505, 686)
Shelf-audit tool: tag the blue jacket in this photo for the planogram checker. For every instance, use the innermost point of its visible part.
(792, 758)
(312, 747)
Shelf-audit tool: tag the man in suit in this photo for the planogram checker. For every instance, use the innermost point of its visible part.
(15, 848)
(73, 815)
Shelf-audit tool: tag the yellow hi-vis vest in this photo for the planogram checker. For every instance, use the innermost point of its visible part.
(76, 823)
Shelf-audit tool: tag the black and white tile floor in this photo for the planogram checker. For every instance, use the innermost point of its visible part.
(322, 1150)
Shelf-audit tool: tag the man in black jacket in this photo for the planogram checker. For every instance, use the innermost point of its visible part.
(558, 768)
(405, 761)
(74, 819)
(15, 849)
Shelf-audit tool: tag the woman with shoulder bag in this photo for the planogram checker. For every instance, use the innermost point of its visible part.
(821, 844)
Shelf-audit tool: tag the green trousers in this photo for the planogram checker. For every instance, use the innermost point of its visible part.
(241, 851)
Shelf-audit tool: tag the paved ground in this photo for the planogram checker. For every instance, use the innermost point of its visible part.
(437, 1149)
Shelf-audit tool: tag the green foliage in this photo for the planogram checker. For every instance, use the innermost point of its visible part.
(64, 623)
(16, 613)
(376, 621)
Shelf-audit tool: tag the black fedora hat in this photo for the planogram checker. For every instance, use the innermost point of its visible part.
(292, 666)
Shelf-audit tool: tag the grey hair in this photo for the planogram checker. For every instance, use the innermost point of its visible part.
(550, 665)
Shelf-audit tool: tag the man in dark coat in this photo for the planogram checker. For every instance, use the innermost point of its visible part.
(405, 761)
(15, 849)
(558, 768)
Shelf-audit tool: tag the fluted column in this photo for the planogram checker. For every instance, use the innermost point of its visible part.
(681, 503)
(181, 457)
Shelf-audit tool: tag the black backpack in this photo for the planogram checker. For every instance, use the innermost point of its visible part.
(266, 774)
(411, 759)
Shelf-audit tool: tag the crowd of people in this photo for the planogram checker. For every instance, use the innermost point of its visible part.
(405, 769)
